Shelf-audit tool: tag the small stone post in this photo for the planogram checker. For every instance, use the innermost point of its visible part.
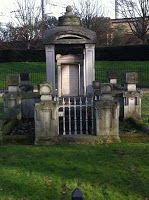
(46, 117)
(132, 96)
(25, 78)
(12, 99)
(107, 114)
(112, 77)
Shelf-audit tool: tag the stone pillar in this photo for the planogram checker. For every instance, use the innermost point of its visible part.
(107, 115)
(130, 80)
(112, 77)
(25, 78)
(13, 82)
(50, 66)
(59, 81)
(46, 117)
(12, 99)
(89, 67)
(131, 96)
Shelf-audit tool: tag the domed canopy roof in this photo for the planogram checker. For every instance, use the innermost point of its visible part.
(69, 31)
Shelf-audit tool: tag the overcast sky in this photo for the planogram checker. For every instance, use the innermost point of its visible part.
(56, 8)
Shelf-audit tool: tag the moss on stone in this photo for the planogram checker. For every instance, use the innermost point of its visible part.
(12, 79)
(18, 139)
(6, 130)
(77, 139)
(138, 124)
(134, 137)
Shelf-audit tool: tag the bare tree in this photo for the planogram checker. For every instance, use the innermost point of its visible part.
(28, 22)
(137, 12)
(87, 10)
(26, 19)
(91, 14)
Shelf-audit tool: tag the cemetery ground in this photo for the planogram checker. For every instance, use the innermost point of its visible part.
(104, 172)
(107, 172)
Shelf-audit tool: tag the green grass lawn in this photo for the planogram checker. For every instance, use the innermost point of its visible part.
(41, 65)
(104, 172)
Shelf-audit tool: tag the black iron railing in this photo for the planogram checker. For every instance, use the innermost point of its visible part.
(39, 76)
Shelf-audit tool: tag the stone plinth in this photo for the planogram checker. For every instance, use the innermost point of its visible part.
(130, 80)
(112, 77)
(12, 82)
(46, 116)
(132, 104)
(107, 119)
(12, 106)
(46, 121)
(107, 114)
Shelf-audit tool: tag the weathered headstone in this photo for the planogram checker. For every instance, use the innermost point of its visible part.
(46, 116)
(12, 99)
(132, 96)
(107, 114)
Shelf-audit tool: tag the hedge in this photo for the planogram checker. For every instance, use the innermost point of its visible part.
(123, 53)
(118, 53)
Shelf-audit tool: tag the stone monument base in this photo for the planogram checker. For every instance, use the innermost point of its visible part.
(78, 139)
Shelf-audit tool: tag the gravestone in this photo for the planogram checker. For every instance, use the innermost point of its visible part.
(12, 99)
(46, 116)
(107, 113)
(132, 96)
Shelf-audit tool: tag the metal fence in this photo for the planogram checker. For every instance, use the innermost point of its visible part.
(143, 75)
(39, 76)
(76, 116)
(36, 77)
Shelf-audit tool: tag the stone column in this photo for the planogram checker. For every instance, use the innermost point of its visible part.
(50, 66)
(131, 96)
(107, 115)
(12, 99)
(89, 67)
(46, 117)
(59, 81)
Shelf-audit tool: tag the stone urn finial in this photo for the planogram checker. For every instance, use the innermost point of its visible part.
(69, 19)
(69, 10)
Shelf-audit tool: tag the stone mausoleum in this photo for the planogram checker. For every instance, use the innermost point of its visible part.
(75, 73)
(80, 109)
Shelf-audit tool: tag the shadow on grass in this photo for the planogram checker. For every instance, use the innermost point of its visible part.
(110, 171)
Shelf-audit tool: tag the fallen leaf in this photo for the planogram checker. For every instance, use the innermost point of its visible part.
(63, 189)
